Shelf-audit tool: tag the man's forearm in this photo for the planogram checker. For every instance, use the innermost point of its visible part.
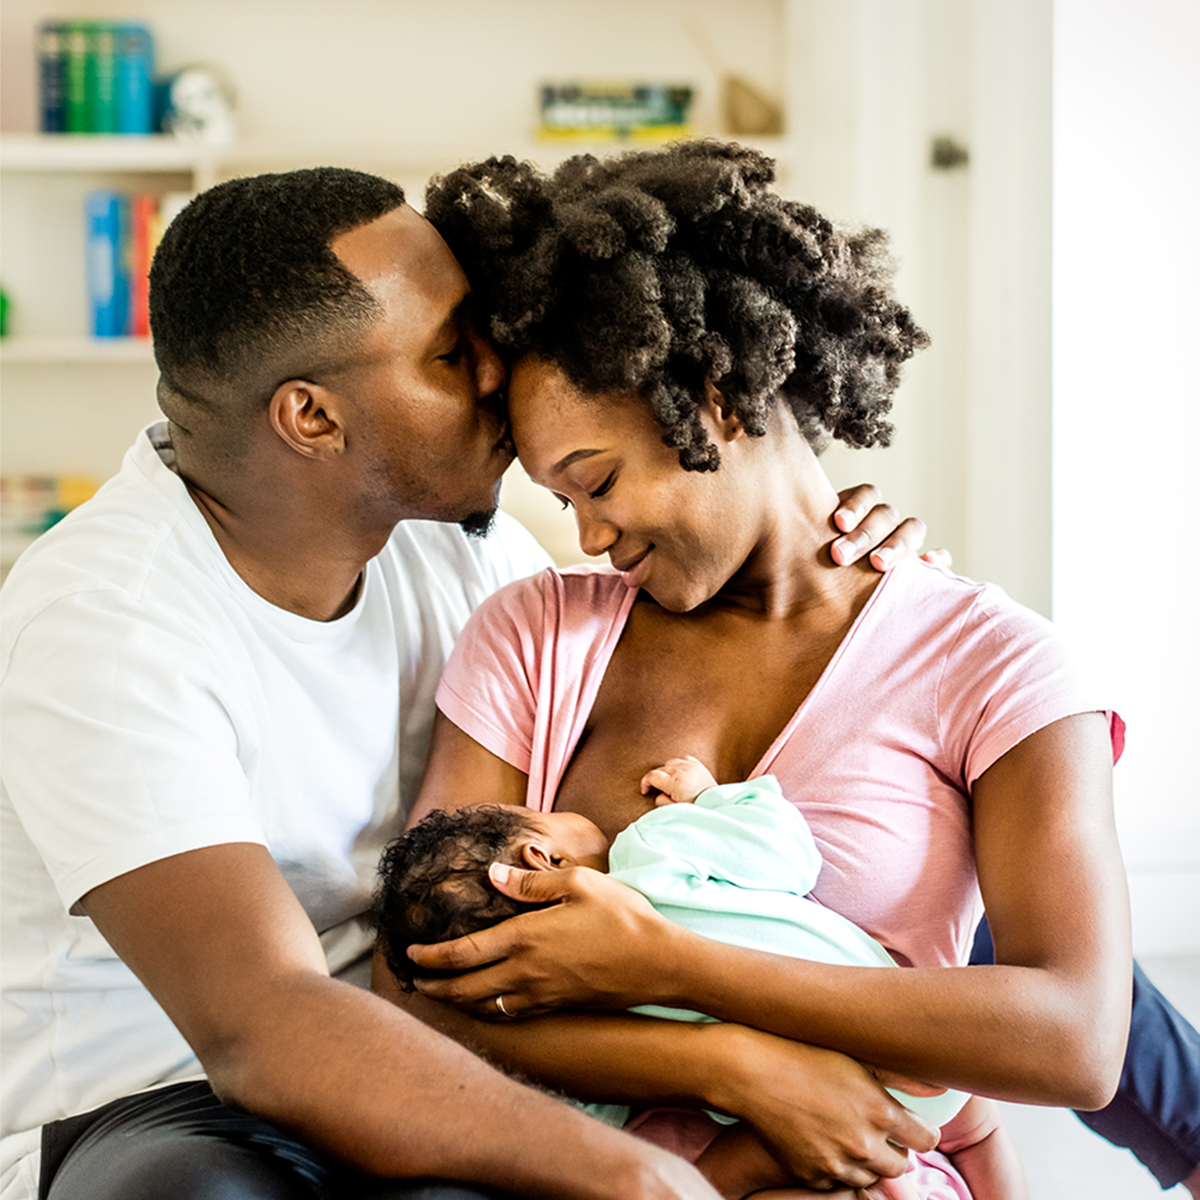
(368, 1084)
(614, 1057)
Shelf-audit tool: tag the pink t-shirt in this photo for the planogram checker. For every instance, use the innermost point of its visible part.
(937, 678)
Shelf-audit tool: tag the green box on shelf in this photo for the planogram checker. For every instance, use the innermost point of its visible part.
(614, 111)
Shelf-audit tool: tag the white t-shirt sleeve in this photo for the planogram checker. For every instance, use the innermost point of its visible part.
(121, 743)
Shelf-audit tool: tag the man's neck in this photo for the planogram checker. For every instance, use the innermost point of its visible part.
(296, 564)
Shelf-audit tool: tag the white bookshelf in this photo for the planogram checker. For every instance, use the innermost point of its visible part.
(45, 350)
(28, 153)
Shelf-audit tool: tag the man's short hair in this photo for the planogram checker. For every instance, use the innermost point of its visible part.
(245, 291)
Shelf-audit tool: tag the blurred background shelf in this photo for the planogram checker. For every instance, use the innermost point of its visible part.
(40, 152)
(32, 349)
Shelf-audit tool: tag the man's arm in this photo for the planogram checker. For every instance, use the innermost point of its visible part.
(224, 946)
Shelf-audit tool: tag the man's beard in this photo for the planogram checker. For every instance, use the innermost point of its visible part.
(479, 524)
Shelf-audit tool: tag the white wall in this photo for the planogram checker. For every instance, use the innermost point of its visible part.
(1126, 398)
(873, 82)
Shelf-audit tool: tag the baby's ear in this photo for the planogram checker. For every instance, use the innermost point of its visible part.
(536, 857)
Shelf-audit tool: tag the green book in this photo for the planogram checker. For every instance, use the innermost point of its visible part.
(102, 77)
(78, 110)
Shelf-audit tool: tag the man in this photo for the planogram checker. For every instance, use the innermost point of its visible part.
(218, 682)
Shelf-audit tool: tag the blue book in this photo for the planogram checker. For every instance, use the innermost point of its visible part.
(52, 76)
(107, 270)
(135, 79)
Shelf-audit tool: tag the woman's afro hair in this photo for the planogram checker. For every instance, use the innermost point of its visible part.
(653, 270)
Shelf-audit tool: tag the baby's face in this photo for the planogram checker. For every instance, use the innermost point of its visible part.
(568, 840)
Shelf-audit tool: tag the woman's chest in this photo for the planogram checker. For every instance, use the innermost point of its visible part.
(675, 688)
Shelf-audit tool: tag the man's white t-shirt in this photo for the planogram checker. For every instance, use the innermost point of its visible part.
(153, 704)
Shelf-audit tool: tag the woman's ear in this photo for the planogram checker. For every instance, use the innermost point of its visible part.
(536, 857)
(305, 416)
(717, 412)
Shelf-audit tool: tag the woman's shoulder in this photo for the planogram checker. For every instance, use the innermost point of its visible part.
(555, 603)
(936, 597)
(563, 590)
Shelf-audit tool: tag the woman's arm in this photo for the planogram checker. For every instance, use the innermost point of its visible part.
(1047, 1024)
(828, 1117)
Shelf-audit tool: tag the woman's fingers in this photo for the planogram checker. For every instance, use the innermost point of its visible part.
(823, 1115)
(557, 956)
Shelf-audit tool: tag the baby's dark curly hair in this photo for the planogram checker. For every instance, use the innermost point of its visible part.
(650, 271)
(245, 290)
(434, 885)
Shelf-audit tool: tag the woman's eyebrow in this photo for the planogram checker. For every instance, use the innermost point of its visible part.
(571, 459)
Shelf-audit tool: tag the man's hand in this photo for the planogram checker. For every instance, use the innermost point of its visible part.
(871, 526)
(677, 781)
(561, 956)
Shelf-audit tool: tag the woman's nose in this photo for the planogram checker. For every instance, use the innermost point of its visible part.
(596, 537)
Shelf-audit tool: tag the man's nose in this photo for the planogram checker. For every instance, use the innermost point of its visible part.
(490, 374)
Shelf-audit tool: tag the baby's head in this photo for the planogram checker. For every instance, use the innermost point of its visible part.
(433, 880)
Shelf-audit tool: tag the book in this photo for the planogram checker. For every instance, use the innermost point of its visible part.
(107, 223)
(33, 503)
(101, 77)
(52, 76)
(78, 109)
(95, 77)
(135, 79)
(613, 111)
(145, 230)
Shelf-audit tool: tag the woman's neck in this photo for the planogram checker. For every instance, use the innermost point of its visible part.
(790, 572)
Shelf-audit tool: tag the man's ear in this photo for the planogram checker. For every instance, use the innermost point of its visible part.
(536, 857)
(305, 416)
(717, 413)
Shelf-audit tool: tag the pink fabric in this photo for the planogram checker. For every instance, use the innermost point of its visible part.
(687, 1132)
(937, 678)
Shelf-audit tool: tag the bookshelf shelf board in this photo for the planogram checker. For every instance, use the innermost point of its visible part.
(100, 152)
(48, 350)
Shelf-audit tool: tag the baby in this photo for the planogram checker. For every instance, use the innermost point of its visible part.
(733, 862)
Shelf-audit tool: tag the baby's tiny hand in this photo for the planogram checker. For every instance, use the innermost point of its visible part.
(677, 781)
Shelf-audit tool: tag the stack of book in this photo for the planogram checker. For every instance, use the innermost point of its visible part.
(30, 504)
(614, 112)
(95, 77)
(123, 232)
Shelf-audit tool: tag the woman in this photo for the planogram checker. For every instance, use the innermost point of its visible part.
(681, 339)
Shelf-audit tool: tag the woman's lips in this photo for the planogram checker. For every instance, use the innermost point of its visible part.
(634, 571)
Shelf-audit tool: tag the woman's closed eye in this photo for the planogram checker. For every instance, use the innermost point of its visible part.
(597, 494)
(605, 487)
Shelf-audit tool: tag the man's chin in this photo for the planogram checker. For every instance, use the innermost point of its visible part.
(479, 524)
